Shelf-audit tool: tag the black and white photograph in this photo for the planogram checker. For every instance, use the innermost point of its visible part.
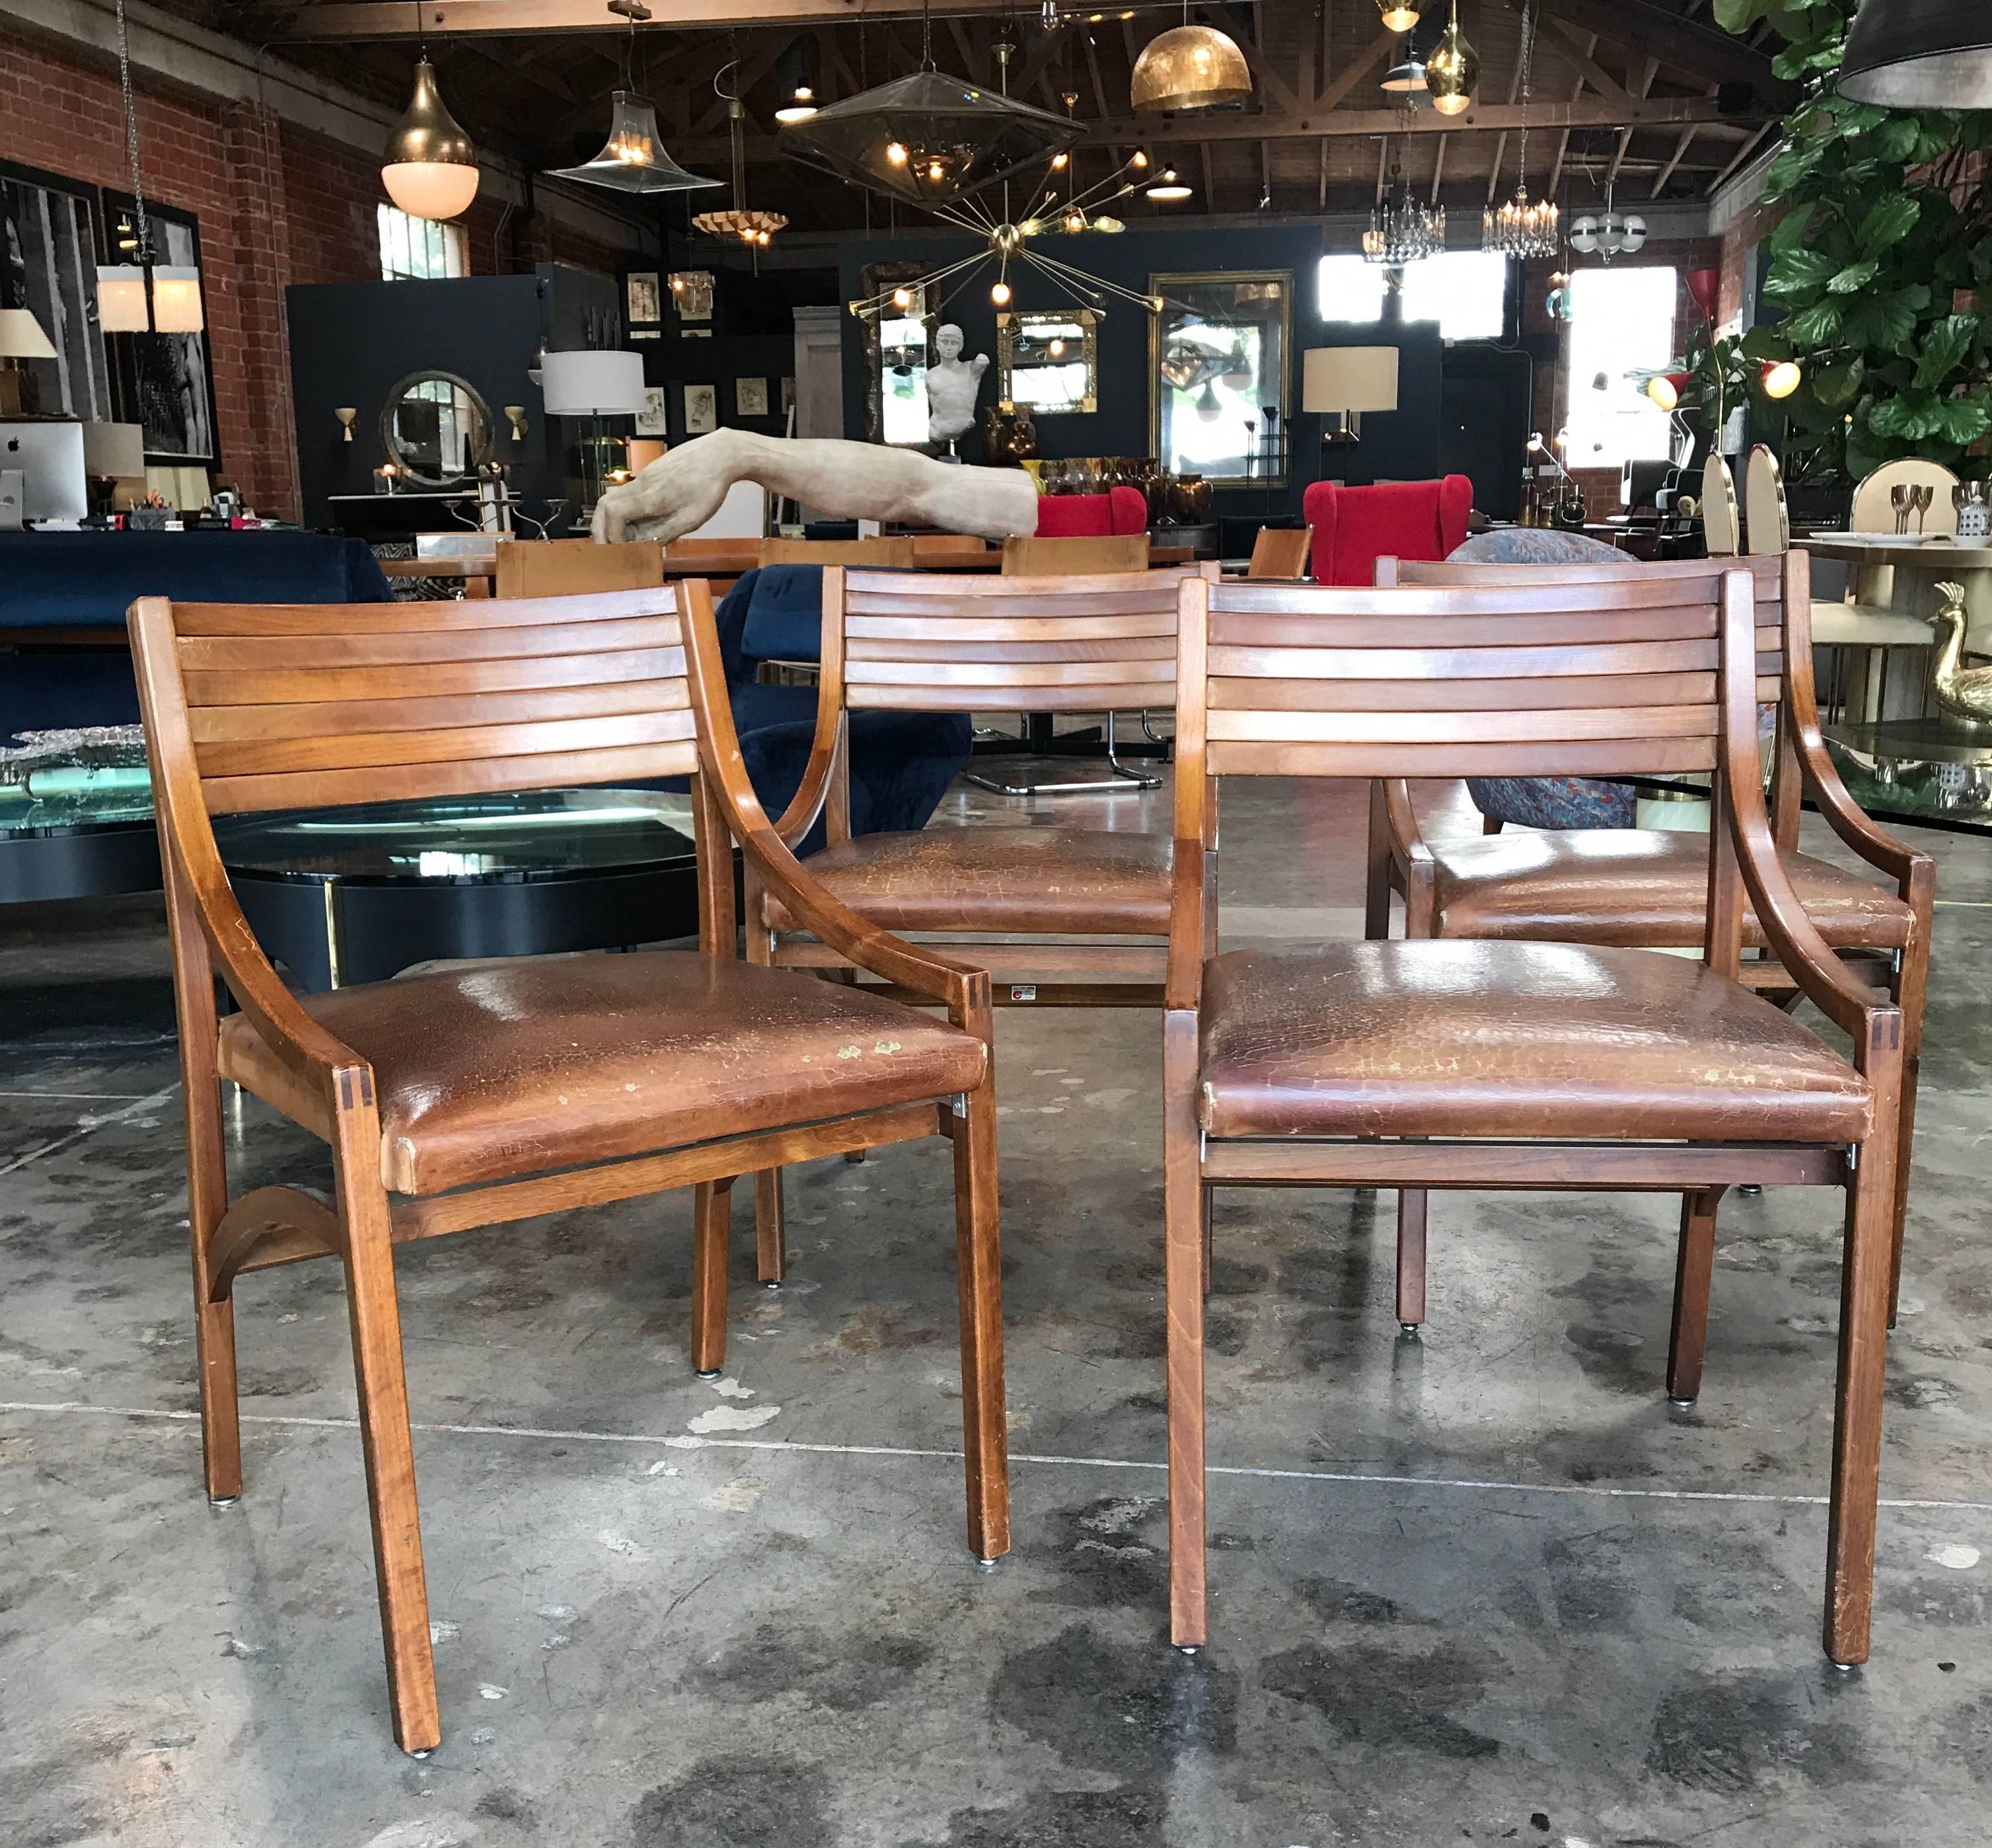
(701, 410)
(653, 420)
(165, 385)
(750, 397)
(48, 266)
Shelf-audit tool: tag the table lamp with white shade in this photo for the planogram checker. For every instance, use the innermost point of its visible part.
(593, 383)
(21, 338)
(1343, 382)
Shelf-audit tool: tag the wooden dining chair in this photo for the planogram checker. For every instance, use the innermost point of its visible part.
(1083, 913)
(495, 1092)
(879, 555)
(1029, 557)
(568, 567)
(1281, 552)
(1647, 887)
(1504, 1065)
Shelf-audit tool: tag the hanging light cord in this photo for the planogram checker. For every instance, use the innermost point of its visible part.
(144, 253)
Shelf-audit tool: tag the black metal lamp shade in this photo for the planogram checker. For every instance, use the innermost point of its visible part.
(1920, 54)
(928, 138)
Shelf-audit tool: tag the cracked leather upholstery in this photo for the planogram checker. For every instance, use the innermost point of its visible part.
(1633, 886)
(513, 1068)
(1000, 879)
(1433, 1037)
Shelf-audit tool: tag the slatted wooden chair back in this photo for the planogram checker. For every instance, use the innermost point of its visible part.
(928, 641)
(567, 567)
(1608, 675)
(1767, 520)
(318, 705)
(1068, 556)
(1281, 552)
(897, 554)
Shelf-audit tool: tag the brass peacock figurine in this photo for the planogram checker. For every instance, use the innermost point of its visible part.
(1961, 693)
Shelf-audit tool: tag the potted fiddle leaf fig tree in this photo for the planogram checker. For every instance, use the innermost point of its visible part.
(1877, 264)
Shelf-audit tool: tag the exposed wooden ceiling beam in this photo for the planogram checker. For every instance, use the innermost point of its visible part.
(1652, 31)
(455, 18)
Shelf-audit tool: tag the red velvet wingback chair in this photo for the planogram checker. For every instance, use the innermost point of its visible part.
(1119, 511)
(1353, 527)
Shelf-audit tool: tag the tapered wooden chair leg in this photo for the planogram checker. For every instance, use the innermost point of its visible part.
(1906, 1143)
(220, 1414)
(1694, 1268)
(1376, 894)
(979, 1283)
(1411, 1202)
(711, 1229)
(1856, 1431)
(1182, 1216)
(1203, 1209)
(771, 1249)
(389, 1454)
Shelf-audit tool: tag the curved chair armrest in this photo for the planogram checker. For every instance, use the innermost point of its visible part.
(187, 846)
(961, 988)
(1795, 940)
(1406, 838)
(1914, 870)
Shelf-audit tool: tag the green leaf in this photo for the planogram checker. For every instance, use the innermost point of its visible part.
(1911, 417)
(1836, 385)
(1963, 420)
(1790, 234)
(1814, 327)
(1855, 276)
(1887, 222)
(1765, 341)
(1945, 344)
(1799, 273)
(1740, 15)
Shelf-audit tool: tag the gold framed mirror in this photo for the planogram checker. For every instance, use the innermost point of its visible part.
(1050, 361)
(899, 338)
(1218, 355)
(436, 429)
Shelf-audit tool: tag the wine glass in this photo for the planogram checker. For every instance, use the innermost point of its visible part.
(1924, 495)
(1899, 497)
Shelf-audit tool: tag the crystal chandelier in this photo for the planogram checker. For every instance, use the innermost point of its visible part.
(1524, 226)
(1402, 229)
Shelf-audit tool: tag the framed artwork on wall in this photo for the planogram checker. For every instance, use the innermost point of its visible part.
(701, 409)
(48, 265)
(165, 382)
(750, 397)
(646, 305)
(652, 420)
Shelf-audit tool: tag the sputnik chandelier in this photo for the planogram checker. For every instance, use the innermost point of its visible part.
(1402, 229)
(1524, 226)
(1006, 240)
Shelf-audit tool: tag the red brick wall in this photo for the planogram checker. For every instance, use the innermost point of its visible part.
(276, 205)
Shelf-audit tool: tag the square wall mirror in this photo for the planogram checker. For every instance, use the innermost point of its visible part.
(1217, 374)
(1050, 361)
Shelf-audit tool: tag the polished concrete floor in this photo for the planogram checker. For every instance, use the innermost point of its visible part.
(1484, 1585)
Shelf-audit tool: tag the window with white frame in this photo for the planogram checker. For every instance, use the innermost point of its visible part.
(1621, 321)
(1465, 291)
(420, 249)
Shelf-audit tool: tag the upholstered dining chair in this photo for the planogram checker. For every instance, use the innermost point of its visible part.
(495, 1092)
(1498, 1065)
(1083, 913)
(1647, 888)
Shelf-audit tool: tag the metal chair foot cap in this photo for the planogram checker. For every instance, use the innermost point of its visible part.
(1681, 1405)
(1187, 1648)
(1408, 1328)
(770, 1282)
(987, 1565)
(222, 1501)
(1749, 1190)
(706, 1372)
(1846, 1668)
(428, 1752)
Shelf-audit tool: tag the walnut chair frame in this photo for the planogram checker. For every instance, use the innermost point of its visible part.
(1896, 955)
(256, 707)
(1600, 676)
(932, 642)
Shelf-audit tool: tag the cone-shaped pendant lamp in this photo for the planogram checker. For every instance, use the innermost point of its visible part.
(632, 159)
(1920, 54)
(428, 166)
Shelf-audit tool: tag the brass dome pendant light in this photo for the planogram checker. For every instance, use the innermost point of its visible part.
(1452, 73)
(1189, 67)
(1399, 16)
(428, 166)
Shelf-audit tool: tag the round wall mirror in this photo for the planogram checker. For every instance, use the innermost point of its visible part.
(436, 429)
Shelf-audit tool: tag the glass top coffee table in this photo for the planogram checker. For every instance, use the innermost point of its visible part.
(355, 894)
(76, 816)
(1934, 770)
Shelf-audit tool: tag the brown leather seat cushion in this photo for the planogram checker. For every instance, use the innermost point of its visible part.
(1434, 1038)
(1634, 886)
(511, 1068)
(1020, 879)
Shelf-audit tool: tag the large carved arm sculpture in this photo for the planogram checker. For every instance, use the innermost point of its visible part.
(680, 491)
